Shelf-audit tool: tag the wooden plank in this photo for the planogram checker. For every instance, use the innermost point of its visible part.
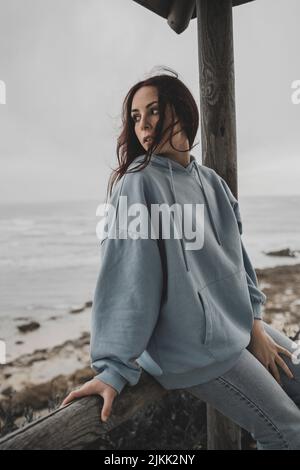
(222, 433)
(163, 7)
(218, 132)
(159, 7)
(78, 424)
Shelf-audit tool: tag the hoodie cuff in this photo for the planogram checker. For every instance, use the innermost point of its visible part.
(256, 306)
(113, 379)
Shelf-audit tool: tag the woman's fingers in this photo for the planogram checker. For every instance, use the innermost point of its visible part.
(72, 395)
(275, 372)
(86, 389)
(283, 365)
(284, 351)
(93, 387)
(108, 399)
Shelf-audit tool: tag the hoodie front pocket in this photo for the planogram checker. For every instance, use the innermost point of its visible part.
(206, 325)
(230, 313)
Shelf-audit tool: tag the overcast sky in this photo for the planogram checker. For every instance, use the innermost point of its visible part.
(68, 65)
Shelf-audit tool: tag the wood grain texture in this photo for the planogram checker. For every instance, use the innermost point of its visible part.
(77, 425)
(218, 134)
(222, 433)
(217, 93)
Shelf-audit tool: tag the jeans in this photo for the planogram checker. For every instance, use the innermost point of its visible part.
(250, 396)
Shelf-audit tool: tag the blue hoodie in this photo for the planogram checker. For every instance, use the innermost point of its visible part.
(183, 315)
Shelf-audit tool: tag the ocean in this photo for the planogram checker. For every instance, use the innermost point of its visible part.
(50, 258)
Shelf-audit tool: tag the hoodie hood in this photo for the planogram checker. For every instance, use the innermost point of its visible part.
(192, 169)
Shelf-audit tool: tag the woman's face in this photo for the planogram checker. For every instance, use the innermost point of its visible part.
(145, 114)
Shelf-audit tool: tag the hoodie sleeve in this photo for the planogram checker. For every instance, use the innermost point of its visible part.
(126, 301)
(258, 298)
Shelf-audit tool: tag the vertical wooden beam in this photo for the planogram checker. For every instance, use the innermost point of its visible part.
(217, 95)
(218, 135)
(222, 434)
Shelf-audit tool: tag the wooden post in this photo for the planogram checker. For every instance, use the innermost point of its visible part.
(217, 95)
(218, 135)
(222, 434)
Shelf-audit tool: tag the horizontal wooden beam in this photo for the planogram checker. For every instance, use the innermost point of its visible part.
(163, 7)
(78, 424)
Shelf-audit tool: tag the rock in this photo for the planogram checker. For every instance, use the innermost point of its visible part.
(80, 308)
(33, 325)
(82, 375)
(77, 309)
(8, 391)
(283, 252)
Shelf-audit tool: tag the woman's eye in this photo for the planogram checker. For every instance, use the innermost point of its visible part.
(153, 110)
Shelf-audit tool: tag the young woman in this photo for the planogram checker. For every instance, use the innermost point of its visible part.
(188, 312)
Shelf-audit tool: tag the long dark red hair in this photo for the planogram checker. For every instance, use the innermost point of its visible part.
(171, 91)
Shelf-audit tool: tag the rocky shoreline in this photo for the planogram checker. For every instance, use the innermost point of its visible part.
(26, 393)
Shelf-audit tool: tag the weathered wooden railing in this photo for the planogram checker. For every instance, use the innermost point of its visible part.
(78, 425)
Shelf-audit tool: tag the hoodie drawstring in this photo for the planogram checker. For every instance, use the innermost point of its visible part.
(207, 204)
(175, 200)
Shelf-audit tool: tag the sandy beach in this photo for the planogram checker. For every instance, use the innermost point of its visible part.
(40, 380)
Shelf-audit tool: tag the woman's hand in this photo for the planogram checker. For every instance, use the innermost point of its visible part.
(95, 387)
(264, 348)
